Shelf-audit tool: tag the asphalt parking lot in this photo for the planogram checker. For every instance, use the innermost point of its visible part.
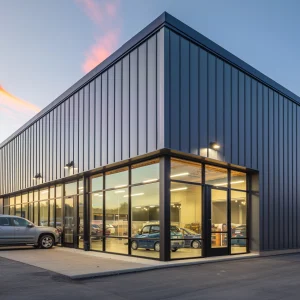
(274, 277)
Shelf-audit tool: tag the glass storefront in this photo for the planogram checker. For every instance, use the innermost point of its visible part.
(207, 210)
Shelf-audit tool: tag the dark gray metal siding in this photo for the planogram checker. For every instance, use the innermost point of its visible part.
(210, 100)
(111, 118)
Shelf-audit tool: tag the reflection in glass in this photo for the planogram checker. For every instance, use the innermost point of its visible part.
(44, 213)
(80, 220)
(238, 180)
(6, 210)
(97, 183)
(24, 198)
(44, 194)
(36, 213)
(116, 245)
(71, 188)
(216, 176)
(52, 191)
(238, 222)
(18, 210)
(116, 213)
(58, 191)
(51, 213)
(186, 220)
(18, 199)
(69, 220)
(116, 179)
(30, 211)
(30, 197)
(12, 201)
(58, 213)
(218, 218)
(24, 213)
(186, 171)
(96, 219)
(80, 186)
(36, 195)
(145, 172)
(12, 210)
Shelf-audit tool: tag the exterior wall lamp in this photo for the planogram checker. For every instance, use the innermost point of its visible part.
(37, 176)
(69, 165)
(214, 145)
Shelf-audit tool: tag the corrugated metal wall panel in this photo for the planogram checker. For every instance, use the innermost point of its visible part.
(257, 128)
(111, 118)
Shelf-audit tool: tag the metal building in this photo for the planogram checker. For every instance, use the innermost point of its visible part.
(171, 148)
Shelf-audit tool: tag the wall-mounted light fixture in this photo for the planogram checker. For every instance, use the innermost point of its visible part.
(37, 176)
(69, 165)
(214, 145)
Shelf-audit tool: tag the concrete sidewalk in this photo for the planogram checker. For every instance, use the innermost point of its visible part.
(78, 264)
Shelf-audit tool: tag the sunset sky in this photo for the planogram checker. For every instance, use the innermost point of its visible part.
(46, 46)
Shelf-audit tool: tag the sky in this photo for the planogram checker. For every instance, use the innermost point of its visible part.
(47, 46)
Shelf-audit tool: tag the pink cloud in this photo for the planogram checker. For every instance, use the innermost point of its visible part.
(104, 14)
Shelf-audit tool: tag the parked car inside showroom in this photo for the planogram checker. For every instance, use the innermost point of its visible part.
(192, 238)
(148, 238)
(18, 231)
(238, 236)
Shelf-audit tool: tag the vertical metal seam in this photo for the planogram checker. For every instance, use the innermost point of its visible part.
(114, 117)
(129, 107)
(156, 96)
(147, 110)
(179, 58)
(121, 100)
(207, 102)
(198, 100)
(137, 103)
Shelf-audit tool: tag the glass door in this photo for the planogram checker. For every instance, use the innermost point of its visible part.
(217, 221)
(69, 222)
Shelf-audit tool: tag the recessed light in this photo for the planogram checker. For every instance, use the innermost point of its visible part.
(180, 174)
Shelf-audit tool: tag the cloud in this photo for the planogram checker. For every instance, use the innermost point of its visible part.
(104, 14)
(9, 102)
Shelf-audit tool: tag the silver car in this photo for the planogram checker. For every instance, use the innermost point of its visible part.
(19, 231)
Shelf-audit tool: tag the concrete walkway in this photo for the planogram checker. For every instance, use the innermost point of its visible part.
(78, 264)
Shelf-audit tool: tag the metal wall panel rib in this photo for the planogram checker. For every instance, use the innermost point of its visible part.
(211, 91)
(104, 128)
(297, 170)
(111, 115)
(81, 131)
(194, 99)
(290, 174)
(142, 98)
(118, 112)
(220, 105)
(234, 117)
(86, 131)
(76, 133)
(98, 119)
(227, 112)
(92, 125)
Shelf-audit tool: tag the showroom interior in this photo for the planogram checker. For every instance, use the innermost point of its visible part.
(124, 210)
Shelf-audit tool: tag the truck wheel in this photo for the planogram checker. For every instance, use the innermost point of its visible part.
(46, 241)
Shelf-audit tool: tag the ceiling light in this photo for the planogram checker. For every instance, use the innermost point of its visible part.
(179, 189)
(214, 145)
(137, 207)
(180, 174)
(152, 206)
(133, 195)
(120, 191)
(150, 180)
(232, 182)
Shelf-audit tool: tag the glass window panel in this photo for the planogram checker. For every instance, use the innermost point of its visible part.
(12, 201)
(186, 171)
(1, 206)
(6, 210)
(96, 217)
(97, 183)
(18, 199)
(36, 195)
(6, 201)
(116, 179)
(116, 214)
(116, 245)
(145, 172)
(58, 191)
(238, 246)
(30, 197)
(186, 220)
(80, 221)
(218, 240)
(80, 186)
(24, 198)
(36, 213)
(24, 213)
(219, 210)
(238, 215)
(144, 211)
(44, 194)
(71, 188)
(30, 211)
(58, 212)
(52, 190)
(216, 176)
(12, 210)
(51, 212)
(238, 180)
(18, 210)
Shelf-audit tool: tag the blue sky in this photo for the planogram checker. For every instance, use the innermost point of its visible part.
(46, 46)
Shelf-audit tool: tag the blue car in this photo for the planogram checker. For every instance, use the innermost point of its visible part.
(192, 239)
(148, 238)
(238, 235)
